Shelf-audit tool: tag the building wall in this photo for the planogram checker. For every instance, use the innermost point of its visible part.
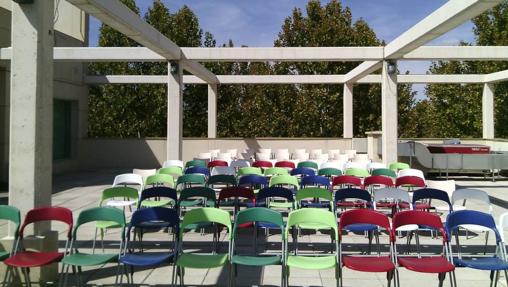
(71, 30)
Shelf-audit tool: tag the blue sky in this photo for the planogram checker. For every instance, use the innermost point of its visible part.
(256, 23)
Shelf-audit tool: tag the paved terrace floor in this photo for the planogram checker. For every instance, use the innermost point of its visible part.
(82, 190)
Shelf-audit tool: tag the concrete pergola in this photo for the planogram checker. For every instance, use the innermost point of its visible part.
(32, 55)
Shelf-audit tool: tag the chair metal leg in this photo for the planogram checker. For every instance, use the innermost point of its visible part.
(506, 276)
(94, 241)
(441, 278)
(496, 278)
(117, 272)
(486, 242)
(8, 271)
(102, 239)
(27, 277)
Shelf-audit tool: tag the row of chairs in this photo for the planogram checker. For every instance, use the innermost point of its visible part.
(282, 154)
(386, 262)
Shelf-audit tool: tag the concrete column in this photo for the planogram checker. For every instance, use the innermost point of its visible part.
(212, 111)
(347, 111)
(31, 113)
(175, 111)
(389, 113)
(488, 111)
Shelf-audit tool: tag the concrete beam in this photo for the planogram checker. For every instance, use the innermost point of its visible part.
(122, 19)
(362, 70)
(175, 113)
(488, 111)
(212, 111)
(441, 79)
(389, 115)
(347, 111)
(497, 77)
(445, 18)
(458, 53)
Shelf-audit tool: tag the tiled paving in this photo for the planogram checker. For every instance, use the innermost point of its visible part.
(82, 190)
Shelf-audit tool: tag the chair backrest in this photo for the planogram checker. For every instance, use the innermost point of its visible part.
(226, 179)
(284, 180)
(390, 193)
(303, 171)
(396, 166)
(350, 153)
(359, 172)
(258, 214)
(250, 171)
(308, 164)
(285, 164)
(12, 214)
(217, 162)
(224, 170)
(144, 173)
(432, 193)
(265, 150)
(274, 171)
(214, 152)
(173, 162)
(301, 156)
(282, 154)
(160, 179)
(316, 153)
(198, 192)
(313, 192)
(333, 164)
(163, 216)
(318, 216)
(119, 191)
(471, 194)
(53, 213)
(274, 192)
(174, 171)
(128, 179)
(205, 155)
(375, 165)
(239, 163)
(263, 156)
(233, 152)
(237, 192)
(253, 180)
(346, 180)
(411, 172)
(198, 170)
(384, 171)
(225, 156)
(364, 216)
(315, 180)
(100, 214)
(342, 157)
(471, 217)
(262, 163)
(332, 153)
(190, 179)
(411, 181)
(418, 217)
(445, 185)
(196, 162)
(378, 180)
(361, 157)
(503, 224)
(329, 172)
(352, 193)
(203, 215)
(159, 191)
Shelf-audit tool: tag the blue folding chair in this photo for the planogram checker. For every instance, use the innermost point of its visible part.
(427, 195)
(198, 170)
(495, 263)
(143, 218)
(315, 180)
(303, 172)
(253, 181)
(268, 197)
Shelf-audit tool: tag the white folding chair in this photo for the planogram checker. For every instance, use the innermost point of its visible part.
(333, 153)
(173, 162)
(205, 156)
(239, 163)
(144, 173)
(411, 172)
(228, 170)
(263, 156)
(316, 153)
(333, 164)
(282, 154)
(350, 153)
(233, 152)
(342, 157)
(214, 153)
(126, 179)
(375, 165)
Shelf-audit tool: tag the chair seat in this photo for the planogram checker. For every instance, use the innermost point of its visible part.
(426, 264)
(29, 259)
(312, 262)
(189, 203)
(485, 263)
(408, 227)
(106, 224)
(192, 260)
(83, 259)
(146, 258)
(386, 204)
(267, 225)
(475, 228)
(314, 226)
(368, 264)
(315, 204)
(445, 208)
(195, 226)
(276, 204)
(155, 203)
(352, 204)
(359, 227)
(120, 203)
(257, 260)
(419, 206)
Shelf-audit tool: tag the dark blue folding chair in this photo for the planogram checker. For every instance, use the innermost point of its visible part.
(161, 217)
(303, 172)
(151, 197)
(422, 198)
(253, 181)
(199, 170)
(315, 180)
(268, 197)
(495, 263)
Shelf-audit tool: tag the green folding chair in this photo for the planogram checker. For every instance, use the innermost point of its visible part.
(221, 180)
(329, 172)
(311, 216)
(201, 260)
(396, 166)
(308, 164)
(275, 171)
(284, 181)
(160, 179)
(358, 172)
(195, 163)
(174, 171)
(198, 196)
(319, 198)
(77, 259)
(249, 170)
(384, 172)
(11, 214)
(118, 196)
(258, 215)
(190, 180)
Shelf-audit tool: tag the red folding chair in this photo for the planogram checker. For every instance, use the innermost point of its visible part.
(410, 183)
(215, 163)
(26, 259)
(285, 164)
(439, 264)
(377, 180)
(262, 164)
(237, 193)
(366, 263)
(343, 181)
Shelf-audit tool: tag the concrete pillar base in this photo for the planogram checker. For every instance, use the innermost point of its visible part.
(48, 241)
